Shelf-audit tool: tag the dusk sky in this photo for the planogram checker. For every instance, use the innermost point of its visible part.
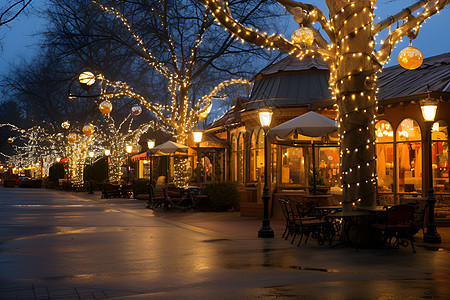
(433, 37)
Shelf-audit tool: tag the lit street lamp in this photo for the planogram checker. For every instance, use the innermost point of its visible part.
(107, 153)
(429, 108)
(91, 156)
(151, 145)
(198, 135)
(265, 118)
(129, 148)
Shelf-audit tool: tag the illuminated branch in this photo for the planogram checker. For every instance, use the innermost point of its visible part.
(313, 14)
(222, 13)
(395, 36)
(149, 57)
(205, 101)
(125, 90)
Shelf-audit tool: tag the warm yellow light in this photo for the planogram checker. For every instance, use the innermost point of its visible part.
(72, 137)
(58, 159)
(303, 35)
(265, 117)
(198, 135)
(410, 58)
(429, 108)
(86, 78)
(107, 152)
(88, 129)
(105, 107)
(129, 148)
(65, 124)
(10, 140)
(150, 143)
(136, 110)
(205, 114)
(91, 154)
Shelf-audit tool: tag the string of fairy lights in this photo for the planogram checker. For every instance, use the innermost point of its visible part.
(182, 114)
(353, 63)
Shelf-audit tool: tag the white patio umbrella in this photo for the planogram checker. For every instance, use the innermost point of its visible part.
(168, 147)
(310, 124)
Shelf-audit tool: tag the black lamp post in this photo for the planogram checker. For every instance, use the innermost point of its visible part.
(265, 118)
(429, 107)
(107, 153)
(198, 135)
(129, 148)
(151, 145)
(91, 156)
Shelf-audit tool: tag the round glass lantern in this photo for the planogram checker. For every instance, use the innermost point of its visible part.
(105, 107)
(303, 35)
(72, 137)
(88, 129)
(87, 78)
(136, 110)
(410, 58)
(65, 124)
(10, 140)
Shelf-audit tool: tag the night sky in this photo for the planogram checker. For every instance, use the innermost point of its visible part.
(19, 42)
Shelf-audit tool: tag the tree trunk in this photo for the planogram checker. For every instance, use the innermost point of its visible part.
(352, 81)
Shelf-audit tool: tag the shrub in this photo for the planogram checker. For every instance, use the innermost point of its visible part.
(140, 186)
(223, 195)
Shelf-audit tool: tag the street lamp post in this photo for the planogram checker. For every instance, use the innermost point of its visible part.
(429, 107)
(129, 148)
(198, 135)
(151, 145)
(91, 156)
(265, 118)
(107, 153)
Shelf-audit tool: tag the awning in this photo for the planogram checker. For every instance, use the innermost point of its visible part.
(310, 124)
(141, 156)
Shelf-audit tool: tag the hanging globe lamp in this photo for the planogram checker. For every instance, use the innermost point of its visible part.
(410, 58)
(303, 35)
(136, 110)
(105, 107)
(88, 129)
(72, 137)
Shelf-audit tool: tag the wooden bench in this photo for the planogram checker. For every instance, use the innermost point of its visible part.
(110, 191)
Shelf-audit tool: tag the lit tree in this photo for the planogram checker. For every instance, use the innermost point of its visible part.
(34, 146)
(349, 51)
(174, 52)
(116, 137)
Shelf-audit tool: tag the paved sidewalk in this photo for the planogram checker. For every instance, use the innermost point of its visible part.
(61, 245)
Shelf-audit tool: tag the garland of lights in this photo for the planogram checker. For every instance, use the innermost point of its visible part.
(353, 63)
(182, 114)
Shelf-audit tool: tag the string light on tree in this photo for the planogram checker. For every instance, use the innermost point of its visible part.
(350, 54)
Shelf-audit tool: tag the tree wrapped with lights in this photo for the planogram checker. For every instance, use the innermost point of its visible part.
(117, 137)
(180, 70)
(349, 51)
(34, 146)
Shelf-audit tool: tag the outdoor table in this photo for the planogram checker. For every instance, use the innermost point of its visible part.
(327, 209)
(317, 198)
(349, 221)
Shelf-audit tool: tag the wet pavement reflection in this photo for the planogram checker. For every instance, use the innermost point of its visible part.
(69, 244)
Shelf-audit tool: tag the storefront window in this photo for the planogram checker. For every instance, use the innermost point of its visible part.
(440, 157)
(409, 157)
(256, 154)
(385, 156)
(328, 166)
(233, 158)
(240, 158)
(293, 165)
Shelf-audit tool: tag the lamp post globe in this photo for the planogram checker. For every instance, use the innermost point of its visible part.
(265, 118)
(429, 109)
